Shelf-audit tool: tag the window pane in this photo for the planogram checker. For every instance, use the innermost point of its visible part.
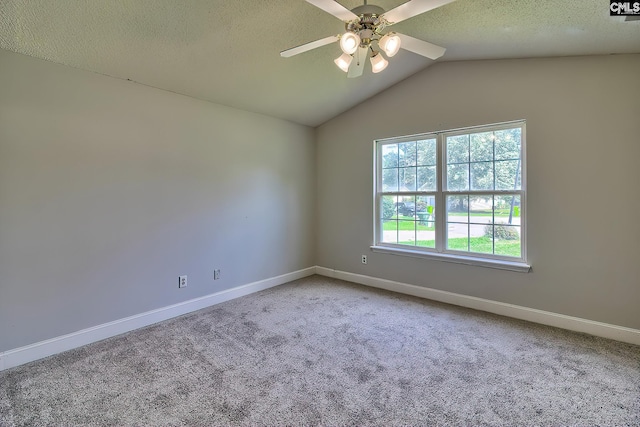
(508, 143)
(507, 240)
(407, 233)
(390, 180)
(390, 231)
(426, 234)
(458, 237)
(427, 178)
(458, 177)
(427, 152)
(407, 179)
(425, 216)
(481, 209)
(482, 176)
(388, 210)
(407, 154)
(507, 175)
(406, 207)
(507, 210)
(481, 238)
(458, 209)
(390, 156)
(488, 234)
(426, 208)
(481, 146)
(458, 149)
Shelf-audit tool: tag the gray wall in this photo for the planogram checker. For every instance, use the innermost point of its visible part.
(583, 197)
(109, 190)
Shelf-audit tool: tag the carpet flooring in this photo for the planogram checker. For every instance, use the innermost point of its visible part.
(320, 351)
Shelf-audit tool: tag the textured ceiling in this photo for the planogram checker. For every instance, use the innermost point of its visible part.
(227, 52)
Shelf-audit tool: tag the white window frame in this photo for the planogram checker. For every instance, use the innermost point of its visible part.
(440, 252)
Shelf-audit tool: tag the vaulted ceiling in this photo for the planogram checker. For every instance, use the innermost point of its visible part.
(227, 52)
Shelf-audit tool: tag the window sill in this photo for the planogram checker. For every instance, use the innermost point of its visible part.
(520, 267)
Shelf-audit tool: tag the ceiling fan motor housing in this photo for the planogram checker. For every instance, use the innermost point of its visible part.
(368, 9)
(368, 24)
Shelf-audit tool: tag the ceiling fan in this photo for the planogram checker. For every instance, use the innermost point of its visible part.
(364, 26)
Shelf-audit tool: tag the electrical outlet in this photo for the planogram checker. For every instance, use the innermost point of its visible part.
(182, 281)
(364, 259)
(216, 274)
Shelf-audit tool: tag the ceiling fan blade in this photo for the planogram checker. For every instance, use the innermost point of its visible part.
(421, 47)
(308, 46)
(357, 65)
(411, 9)
(335, 9)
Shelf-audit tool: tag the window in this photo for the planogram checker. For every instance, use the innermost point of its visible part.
(457, 194)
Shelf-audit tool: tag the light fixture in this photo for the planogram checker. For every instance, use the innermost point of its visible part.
(390, 43)
(344, 61)
(349, 42)
(366, 28)
(378, 63)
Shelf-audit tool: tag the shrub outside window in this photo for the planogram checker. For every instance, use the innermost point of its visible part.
(459, 192)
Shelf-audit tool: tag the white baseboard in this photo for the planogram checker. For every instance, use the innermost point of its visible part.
(605, 330)
(29, 353)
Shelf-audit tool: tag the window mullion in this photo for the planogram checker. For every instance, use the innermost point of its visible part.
(440, 198)
(469, 163)
(378, 223)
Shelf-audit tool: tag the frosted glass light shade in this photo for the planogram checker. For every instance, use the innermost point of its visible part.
(349, 42)
(390, 43)
(378, 63)
(343, 62)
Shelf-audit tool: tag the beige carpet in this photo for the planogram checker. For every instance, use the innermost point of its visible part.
(325, 352)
